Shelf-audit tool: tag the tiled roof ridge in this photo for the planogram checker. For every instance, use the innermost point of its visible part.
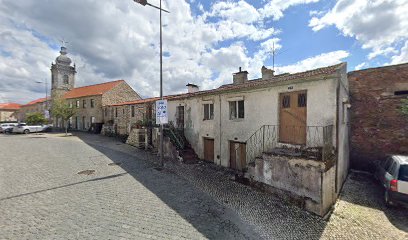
(10, 105)
(119, 80)
(254, 82)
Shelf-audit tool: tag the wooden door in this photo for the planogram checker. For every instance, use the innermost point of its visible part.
(209, 149)
(180, 117)
(237, 155)
(292, 121)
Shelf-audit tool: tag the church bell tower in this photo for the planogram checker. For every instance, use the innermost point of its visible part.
(62, 75)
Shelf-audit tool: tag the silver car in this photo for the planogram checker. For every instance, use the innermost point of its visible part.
(24, 128)
(7, 127)
(393, 175)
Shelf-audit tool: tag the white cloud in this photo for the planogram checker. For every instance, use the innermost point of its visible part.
(119, 40)
(378, 25)
(361, 66)
(275, 8)
(322, 60)
(403, 55)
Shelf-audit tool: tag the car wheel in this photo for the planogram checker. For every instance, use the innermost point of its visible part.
(26, 131)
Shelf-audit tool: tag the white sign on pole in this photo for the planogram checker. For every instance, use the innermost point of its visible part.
(161, 112)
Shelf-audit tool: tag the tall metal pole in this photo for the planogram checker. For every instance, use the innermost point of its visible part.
(161, 86)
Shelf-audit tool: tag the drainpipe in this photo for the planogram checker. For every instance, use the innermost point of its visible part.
(337, 134)
(220, 131)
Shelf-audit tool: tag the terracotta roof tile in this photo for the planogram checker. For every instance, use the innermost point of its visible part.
(40, 100)
(10, 106)
(249, 84)
(92, 90)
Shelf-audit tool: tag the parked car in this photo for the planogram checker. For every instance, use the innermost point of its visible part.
(7, 127)
(24, 128)
(393, 176)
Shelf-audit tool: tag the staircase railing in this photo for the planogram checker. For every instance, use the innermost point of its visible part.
(175, 136)
(315, 142)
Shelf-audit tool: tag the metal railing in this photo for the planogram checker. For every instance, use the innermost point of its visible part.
(311, 142)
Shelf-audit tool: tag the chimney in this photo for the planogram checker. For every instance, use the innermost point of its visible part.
(240, 77)
(192, 88)
(267, 73)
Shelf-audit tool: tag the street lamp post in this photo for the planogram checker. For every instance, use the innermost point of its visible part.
(46, 93)
(144, 3)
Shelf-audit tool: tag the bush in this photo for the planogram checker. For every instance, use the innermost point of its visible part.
(36, 119)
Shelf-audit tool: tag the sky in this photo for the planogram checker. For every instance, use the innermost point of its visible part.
(204, 41)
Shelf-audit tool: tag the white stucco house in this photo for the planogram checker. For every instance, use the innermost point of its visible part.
(287, 131)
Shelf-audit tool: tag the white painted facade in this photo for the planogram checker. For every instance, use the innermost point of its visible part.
(327, 101)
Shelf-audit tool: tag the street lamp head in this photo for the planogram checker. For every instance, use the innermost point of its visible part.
(143, 2)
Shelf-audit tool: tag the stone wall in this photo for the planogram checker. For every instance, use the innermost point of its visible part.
(377, 126)
(122, 92)
(8, 115)
(82, 118)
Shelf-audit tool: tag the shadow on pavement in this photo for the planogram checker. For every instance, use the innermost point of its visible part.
(362, 189)
(192, 206)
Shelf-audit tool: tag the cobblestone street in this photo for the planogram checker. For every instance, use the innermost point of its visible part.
(42, 196)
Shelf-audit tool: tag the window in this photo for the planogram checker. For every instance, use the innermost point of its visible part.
(92, 103)
(65, 79)
(70, 104)
(302, 100)
(77, 103)
(123, 111)
(106, 112)
(237, 109)
(116, 112)
(388, 163)
(403, 173)
(133, 110)
(84, 103)
(402, 92)
(92, 120)
(286, 101)
(208, 111)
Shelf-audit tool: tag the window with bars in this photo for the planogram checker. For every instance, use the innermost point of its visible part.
(302, 100)
(208, 111)
(237, 109)
(286, 101)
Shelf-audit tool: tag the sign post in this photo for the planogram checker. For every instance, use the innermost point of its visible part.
(161, 112)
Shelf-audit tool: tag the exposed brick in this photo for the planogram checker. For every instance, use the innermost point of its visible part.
(377, 126)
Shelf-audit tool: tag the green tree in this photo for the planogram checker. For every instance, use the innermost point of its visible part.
(35, 119)
(61, 109)
(404, 107)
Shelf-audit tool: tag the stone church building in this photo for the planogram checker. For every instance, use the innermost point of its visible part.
(87, 100)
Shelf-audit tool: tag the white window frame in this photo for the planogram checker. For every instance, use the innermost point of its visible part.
(210, 113)
(237, 112)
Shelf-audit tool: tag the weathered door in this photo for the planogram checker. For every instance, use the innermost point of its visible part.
(237, 155)
(180, 117)
(292, 121)
(209, 149)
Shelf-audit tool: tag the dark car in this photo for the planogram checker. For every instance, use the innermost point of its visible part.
(393, 176)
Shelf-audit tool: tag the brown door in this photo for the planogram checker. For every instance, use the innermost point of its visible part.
(180, 117)
(293, 111)
(209, 149)
(237, 155)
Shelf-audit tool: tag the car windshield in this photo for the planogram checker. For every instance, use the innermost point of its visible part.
(403, 173)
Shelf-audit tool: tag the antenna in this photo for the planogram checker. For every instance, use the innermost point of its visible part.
(273, 56)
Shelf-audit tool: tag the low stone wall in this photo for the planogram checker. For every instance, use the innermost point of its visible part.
(306, 181)
(107, 130)
(137, 138)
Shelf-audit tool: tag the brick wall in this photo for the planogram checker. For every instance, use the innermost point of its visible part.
(377, 126)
